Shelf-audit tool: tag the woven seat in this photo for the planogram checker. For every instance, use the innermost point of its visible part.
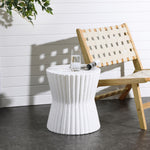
(140, 74)
(113, 45)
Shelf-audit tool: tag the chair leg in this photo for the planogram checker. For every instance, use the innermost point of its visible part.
(139, 106)
(125, 93)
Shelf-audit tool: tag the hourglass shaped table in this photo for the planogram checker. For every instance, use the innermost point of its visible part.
(73, 110)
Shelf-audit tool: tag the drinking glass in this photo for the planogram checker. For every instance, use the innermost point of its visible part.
(75, 60)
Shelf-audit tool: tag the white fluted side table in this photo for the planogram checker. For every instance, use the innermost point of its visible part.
(73, 110)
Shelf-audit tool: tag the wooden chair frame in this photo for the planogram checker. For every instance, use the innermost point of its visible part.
(129, 82)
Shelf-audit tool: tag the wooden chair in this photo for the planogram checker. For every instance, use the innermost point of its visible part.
(113, 45)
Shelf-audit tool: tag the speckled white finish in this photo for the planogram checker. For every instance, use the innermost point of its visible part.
(73, 110)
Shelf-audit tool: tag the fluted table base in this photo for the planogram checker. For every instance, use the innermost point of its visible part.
(73, 110)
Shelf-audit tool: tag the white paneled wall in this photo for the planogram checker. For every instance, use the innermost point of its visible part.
(26, 50)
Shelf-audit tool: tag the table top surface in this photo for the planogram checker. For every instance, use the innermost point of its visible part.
(65, 69)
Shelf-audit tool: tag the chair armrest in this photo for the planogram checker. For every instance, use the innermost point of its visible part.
(121, 81)
(145, 69)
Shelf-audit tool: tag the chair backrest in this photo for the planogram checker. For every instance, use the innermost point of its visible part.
(109, 45)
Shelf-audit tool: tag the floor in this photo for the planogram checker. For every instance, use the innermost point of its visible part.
(24, 128)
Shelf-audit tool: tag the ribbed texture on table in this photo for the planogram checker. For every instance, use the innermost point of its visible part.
(73, 110)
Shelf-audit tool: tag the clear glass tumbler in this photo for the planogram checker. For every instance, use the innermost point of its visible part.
(75, 60)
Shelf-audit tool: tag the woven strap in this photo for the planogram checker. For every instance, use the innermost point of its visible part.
(110, 45)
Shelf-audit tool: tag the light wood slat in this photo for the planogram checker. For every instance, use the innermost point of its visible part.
(124, 94)
(108, 94)
(139, 106)
(84, 48)
(146, 105)
(137, 63)
(123, 81)
(145, 69)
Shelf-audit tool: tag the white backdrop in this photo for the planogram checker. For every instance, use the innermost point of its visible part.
(26, 50)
